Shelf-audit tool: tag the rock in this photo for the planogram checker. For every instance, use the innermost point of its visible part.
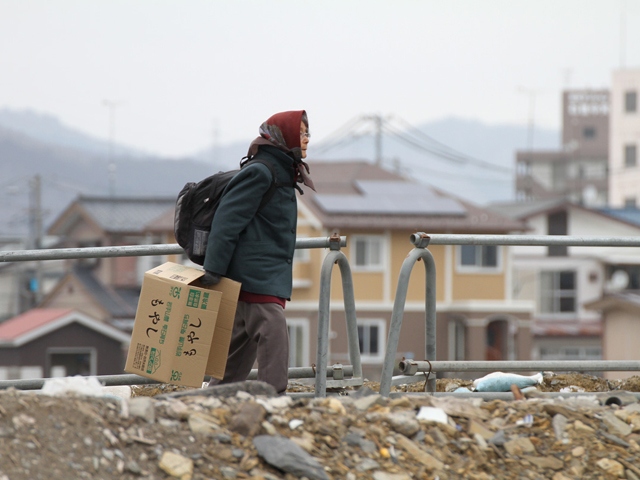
(519, 446)
(548, 462)
(559, 426)
(284, 454)
(426, 459)
(202, 424)
(390, 476)
(143, 407)
(367, 464)
(252, 387)
(176, 465)
(615, 426)
(404, 423)
(366, 402)
(611, 467)
(248, 420)
(477, 428)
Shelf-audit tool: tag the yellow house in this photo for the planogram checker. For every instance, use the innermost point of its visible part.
(377, 210)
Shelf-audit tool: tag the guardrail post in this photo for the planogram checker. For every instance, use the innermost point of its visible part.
(335, 256)
(421, 241)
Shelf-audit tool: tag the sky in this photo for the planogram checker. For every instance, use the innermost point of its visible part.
(174, 77)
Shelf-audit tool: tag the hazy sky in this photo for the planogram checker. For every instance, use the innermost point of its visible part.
(179, 71)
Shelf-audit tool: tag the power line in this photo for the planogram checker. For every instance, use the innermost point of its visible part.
(408, 134)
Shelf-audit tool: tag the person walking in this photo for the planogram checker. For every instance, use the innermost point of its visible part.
(255, 246)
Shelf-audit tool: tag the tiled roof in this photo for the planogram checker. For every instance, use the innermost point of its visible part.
(113, 215)
(125, 214)
(343, 179)
(629, 215)
(119, 302)
(40, 321)
(28, 321)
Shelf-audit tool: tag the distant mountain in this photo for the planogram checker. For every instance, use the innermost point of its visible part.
(48, 129)
(474, 166)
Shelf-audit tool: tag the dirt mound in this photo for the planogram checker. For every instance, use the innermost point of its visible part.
(173, 432)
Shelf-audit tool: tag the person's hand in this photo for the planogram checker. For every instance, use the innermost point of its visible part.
(210, 278)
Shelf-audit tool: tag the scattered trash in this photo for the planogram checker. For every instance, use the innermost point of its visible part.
(432, 414)
(527, 421)
(58, 386)
(501, 382)
(572, 389)
(295, 423)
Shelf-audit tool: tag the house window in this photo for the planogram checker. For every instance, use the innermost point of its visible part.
(298, 342)
(570, 353)
(589, 132)
(368, 252)
(558, 292)
(478, 256)
(630, 155)
(630, 202)
(371, 338)
(557, 224)
(630, 101)
(456, 340)
(89, 262)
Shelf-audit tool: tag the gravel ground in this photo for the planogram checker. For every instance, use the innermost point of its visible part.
(169, 432)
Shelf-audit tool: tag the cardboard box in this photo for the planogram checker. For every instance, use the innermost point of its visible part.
(182, 330)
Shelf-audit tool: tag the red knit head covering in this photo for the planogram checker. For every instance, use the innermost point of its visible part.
(282, 130)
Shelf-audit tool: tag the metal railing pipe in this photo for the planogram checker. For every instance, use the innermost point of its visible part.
(132, 250)
(532, 240)
(398, 311)
(309, 372)
(324, 316)
(409, 367)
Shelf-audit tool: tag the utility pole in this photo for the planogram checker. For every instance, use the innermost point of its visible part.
(532, 108)
(111, 168)
(36, 233)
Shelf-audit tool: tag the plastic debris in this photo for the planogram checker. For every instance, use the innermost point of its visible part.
(526, 421)
(501, 382)
(432, 414)
(58, 386)
(295, 423)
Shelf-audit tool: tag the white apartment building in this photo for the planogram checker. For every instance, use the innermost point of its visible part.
(624, 139)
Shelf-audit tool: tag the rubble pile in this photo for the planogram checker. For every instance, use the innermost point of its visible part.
(245, 432)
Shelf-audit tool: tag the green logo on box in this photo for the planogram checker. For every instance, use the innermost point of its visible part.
(194, 298)
(154, 361)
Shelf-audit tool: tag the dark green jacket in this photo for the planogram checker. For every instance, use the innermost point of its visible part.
(251, 247)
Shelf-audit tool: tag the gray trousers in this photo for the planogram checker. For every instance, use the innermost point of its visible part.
(259, 333)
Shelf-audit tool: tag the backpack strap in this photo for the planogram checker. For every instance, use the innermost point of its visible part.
(274, 183)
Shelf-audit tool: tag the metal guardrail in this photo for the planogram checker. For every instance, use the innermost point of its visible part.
(134, 250)
(420, 252)
(421, 240)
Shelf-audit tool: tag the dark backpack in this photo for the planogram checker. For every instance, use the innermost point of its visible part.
(197, 203)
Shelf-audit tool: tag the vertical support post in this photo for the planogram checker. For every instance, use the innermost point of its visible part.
(335, 256)
(421, 240)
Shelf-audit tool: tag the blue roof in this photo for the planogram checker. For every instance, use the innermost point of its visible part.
(629, 215)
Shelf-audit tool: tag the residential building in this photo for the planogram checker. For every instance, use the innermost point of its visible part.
(108, 288)
(565, 281)
(578, 171)
(57, 343)
(624, 164)
(377, 210)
